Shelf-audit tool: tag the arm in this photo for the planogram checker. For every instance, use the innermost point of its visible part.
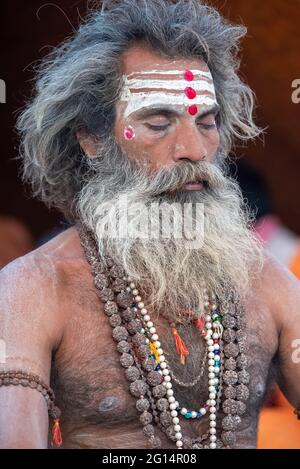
(284, 300)
(29, 331)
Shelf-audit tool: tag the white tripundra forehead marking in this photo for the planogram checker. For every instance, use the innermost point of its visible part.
(141, 100)
(203, 73)
(176, 85)
(166, 91)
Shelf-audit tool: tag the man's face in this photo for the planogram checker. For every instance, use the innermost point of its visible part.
(166, 113)
(166, 120)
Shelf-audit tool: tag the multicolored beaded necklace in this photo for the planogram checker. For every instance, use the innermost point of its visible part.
(148, 371)
(212, 335)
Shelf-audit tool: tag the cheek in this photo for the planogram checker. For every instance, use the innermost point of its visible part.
(127, 136)
(151, 151)
(139, 145)
(130, 139)
(137, 136)
(214, 140)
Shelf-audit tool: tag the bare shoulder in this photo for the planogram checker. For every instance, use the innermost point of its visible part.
(45, 266)
(48, 265)
(278, 288)
(35, 294)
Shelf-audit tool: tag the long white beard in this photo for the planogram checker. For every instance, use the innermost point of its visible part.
(168, 270)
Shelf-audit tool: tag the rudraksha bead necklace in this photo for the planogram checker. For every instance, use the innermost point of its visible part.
(147, 370)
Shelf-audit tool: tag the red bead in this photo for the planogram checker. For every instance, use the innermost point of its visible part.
(216, 341)
(193, 110)
(190, 92)
(188, 75)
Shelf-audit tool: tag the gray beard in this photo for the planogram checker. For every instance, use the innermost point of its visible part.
(167, 271)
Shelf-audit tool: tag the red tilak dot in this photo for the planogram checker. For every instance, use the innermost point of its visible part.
(129, 133)
(188, 75)
(193, 110)
(190, 92)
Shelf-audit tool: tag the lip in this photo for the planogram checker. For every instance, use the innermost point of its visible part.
(194, 186)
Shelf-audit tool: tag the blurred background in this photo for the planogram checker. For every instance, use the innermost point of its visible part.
(268, 171)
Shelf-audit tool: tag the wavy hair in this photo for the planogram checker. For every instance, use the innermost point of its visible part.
(78, 84)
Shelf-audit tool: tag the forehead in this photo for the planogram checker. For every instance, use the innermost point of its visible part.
(140, 59)
(151, 80)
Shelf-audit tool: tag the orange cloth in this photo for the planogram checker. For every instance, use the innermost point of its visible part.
(295, 264)
(278, 426)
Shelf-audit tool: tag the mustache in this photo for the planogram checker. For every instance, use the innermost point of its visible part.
(130, 174)
(173, 179)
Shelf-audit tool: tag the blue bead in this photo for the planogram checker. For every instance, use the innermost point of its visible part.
(188, 415)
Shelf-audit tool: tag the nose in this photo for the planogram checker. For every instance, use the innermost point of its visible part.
(190, 143)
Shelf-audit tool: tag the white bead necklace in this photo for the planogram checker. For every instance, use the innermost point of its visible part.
(213, 335)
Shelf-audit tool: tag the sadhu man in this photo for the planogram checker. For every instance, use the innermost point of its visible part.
(132, 329)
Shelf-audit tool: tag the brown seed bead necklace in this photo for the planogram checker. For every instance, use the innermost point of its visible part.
(152, 386)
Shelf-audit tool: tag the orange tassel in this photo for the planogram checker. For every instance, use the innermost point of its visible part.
(200, 324)
(180, 346)
(56, 434)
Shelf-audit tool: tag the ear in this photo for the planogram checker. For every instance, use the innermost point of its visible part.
(88, 143)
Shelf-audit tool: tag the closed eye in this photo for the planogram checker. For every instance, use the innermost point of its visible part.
(158, 128)
(207, 126)
(210, 119)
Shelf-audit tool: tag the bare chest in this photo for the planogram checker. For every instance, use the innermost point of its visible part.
(93, 392)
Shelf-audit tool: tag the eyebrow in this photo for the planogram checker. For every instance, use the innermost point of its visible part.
(215, 109)
(171, 112)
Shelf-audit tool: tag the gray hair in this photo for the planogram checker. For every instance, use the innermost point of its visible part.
(79, 83)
